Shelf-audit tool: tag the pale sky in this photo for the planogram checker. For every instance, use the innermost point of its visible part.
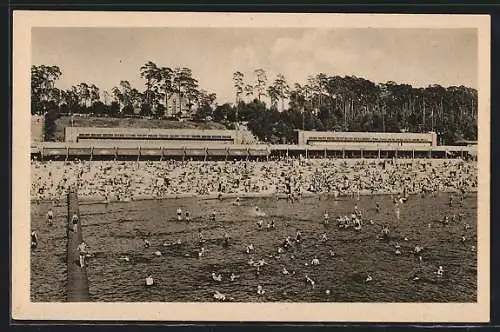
(104, 56)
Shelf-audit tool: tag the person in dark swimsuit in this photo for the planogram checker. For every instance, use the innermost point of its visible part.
(34, 240)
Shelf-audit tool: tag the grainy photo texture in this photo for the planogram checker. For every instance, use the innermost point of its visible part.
(254, 164)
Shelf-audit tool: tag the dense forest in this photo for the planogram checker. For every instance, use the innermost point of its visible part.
(273, 109)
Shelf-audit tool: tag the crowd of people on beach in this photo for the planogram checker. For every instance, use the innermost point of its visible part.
(127, 180)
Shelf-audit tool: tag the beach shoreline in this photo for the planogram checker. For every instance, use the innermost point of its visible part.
(226, 196)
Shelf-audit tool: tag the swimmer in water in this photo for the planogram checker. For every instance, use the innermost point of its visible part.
(260, 290)
(324, 238)
(298, 236)
(147, 244)
(259, 224)
(187, 217)
(385, 233)
(325, 218)
(445, 220)
(250, 248)
(226, 240)
(357, 224)
(287, 243)
(149, 280)
(377, 206)
(34, 240)
(50, 217)
(212, 217)
(356, 211)
(315, 261)
(233, 277)
(216, 277)
(201, 238)
(310, 281)
(179, 214)
(219, 296)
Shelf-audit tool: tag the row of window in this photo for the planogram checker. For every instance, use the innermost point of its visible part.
(370, 140)
(154, 136)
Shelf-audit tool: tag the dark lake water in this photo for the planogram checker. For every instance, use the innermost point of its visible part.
(116, 230)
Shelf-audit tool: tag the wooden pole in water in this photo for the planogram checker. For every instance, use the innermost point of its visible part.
(77, 287)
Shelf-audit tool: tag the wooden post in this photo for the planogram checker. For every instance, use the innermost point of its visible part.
(343, 153)
(325, 152)
(378, 153)
(77, 286)
(91, 152)
(413, 153)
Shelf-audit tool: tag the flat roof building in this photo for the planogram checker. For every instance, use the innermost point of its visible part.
(352, 139)
(142, 135)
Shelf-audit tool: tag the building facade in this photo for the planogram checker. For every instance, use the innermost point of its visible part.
(352, 139)
(154, 136)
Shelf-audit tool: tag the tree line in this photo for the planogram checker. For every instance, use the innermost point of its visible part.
(273, 110)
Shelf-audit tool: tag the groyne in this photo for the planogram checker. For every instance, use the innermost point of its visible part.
(77, 288)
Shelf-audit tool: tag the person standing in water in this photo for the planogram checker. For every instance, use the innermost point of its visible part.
(226, 240)
(34, 240)
(179, 214)
(298, 236)
(50, 217)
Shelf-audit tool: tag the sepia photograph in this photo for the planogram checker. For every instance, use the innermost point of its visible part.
(299, 165)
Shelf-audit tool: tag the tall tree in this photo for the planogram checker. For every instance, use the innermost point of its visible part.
(260, 83)
(151, 73)
(166, 84)
(43, 90)
(281, 86)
